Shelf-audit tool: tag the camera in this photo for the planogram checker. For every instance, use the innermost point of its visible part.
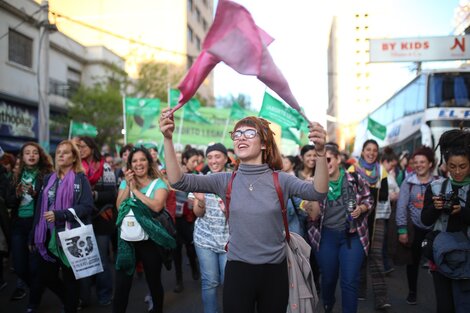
(450, 199)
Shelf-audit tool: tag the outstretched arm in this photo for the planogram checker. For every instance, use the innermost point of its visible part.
(167, 127)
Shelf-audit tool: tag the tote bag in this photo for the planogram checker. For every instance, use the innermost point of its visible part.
(80, 248)
(130, 227)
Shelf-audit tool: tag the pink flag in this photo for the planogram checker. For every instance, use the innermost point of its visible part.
(235, 39)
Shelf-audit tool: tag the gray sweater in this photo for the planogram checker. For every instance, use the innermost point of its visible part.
(255, 225)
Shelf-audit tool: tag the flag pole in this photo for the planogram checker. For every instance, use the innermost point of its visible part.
(70, 129)
(180, 129)
(225, 129)
(124, 122)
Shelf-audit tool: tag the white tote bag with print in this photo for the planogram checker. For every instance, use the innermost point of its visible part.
(80, 248)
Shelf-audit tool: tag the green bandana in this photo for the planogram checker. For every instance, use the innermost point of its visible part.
(465, 182)
(334, 190)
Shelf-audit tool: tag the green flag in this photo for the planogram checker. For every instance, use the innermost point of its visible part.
(141, 118)
(275, 111)
(174, 96)
(191, 113)
(376, 129)
(288, 134)
(82, 129)
(237, 112)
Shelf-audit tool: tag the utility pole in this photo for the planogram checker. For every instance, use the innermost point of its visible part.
(43, 76)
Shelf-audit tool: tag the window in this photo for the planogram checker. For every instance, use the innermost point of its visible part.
(74, 78)
(198, 43)
(204, 24)
(190, 5)
(190, 34)
(20, 48)
(198, 15)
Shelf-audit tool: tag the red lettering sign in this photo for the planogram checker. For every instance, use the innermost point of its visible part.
(459, 44)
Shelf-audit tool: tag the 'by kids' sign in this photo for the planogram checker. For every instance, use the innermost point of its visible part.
(420, 49)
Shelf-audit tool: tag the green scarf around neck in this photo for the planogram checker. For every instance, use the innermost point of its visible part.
(465, 182)
(334, 190)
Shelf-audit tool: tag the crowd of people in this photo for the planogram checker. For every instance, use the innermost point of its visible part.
(361, 217)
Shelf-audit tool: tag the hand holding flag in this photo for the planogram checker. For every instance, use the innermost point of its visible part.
(317, 135)
(235, 39)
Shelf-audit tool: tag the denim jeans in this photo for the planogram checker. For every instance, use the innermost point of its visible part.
(212, 265)
(104, 280)
(343, 254)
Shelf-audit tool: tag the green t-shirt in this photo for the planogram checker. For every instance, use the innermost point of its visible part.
(26, 208)
(160, 184)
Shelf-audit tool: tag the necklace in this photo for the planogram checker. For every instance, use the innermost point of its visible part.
(250, 186)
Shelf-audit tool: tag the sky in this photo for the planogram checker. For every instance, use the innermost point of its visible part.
(301, 28)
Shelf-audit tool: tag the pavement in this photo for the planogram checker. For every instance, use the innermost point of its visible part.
(189, 301)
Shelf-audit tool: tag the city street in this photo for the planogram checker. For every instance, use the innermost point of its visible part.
(189, 301)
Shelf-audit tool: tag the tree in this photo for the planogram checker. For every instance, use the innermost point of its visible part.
(154, 78)
(101, 106)
(243, 100)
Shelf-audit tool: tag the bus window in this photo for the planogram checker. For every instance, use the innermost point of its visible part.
(449, 90)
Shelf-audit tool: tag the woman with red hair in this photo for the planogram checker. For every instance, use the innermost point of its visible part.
(256, 274)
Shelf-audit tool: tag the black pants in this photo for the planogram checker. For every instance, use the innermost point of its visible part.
(147, 252)
(67, 288)
(412, 270)
(249, 286)
(184, 236)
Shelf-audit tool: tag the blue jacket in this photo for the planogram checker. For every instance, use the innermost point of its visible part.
(451, 253)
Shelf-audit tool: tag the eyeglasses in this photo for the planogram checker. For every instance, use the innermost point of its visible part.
(248, 133)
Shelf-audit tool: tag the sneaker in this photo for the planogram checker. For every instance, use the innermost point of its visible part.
(3, 284)
(18, 294)
(388, 271)
(361, 298)
(383, 306)
(411, 299)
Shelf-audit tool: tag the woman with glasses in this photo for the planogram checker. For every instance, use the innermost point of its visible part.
(256, 270)
(338, 232)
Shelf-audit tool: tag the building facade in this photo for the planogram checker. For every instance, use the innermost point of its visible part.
(70, 65)
(165, 31)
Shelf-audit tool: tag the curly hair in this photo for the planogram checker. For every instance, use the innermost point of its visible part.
(270, 154)
(428, 153)
(455, 142)
(153, 172)
(44, 164)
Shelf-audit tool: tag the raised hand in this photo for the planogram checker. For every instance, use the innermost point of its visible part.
(317, 135)
(167, 124)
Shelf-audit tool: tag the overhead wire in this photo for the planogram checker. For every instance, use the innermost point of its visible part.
(110, 33)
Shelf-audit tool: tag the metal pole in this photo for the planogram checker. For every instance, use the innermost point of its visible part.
(43, 76)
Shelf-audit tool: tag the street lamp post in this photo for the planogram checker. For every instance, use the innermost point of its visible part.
(43, 76)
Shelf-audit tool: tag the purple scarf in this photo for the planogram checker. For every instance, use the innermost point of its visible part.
(63, 200)
(373, 178)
